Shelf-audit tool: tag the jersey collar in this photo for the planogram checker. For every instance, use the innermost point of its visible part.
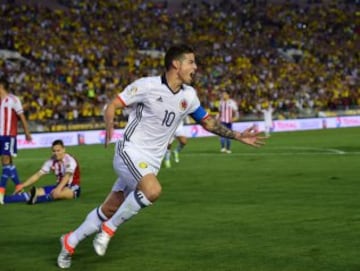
(164, 81)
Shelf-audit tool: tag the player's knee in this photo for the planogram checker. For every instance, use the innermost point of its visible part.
(154, 193)
(150, 187)
(109, 210)
(5, 160)
(183, 140)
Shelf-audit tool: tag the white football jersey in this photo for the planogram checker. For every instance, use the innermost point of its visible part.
(155, 114)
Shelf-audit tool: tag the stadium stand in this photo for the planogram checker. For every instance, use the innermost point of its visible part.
(301, 55)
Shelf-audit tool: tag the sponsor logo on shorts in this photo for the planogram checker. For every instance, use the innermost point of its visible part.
(143, 165)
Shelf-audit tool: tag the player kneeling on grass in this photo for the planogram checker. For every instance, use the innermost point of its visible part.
(67, 172)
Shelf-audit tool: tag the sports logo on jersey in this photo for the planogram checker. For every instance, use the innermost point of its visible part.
(143, 165)
(132, 91)
(183, 105)
(159, 99)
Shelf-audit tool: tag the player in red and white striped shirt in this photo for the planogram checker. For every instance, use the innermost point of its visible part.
(10, 110)
(228, 112)
(67, 171)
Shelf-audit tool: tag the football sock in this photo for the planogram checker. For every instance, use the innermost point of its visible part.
(6, 172)
(91, 225)
(44, 198)
(20, 197)
(167, 155)
(179, 147)
(14, 175)
(222, 142)
(227, 143)
(135, 201)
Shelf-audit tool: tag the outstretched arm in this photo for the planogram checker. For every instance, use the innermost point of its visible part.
(109, 116)
(25, 126)
(249, 136)
(33, 179)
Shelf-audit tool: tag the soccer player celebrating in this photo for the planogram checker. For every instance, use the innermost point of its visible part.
(10, 110)
(158, 105)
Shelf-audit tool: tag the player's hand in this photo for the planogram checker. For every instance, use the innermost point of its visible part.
(56, 192)
(251, 136)
(19, 188)
(108, 133)
(28, 137)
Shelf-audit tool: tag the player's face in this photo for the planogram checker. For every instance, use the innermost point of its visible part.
(58, 151)
(187, 68)
(225, 96)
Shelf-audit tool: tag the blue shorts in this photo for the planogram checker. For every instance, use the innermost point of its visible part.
(8, 145)
(75, 188)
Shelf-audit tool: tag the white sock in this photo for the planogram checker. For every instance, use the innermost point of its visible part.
(91, 225)
(135, 201)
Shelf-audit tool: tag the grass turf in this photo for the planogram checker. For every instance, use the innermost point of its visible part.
(292, 205)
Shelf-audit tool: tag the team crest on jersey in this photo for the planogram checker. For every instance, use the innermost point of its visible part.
(132, 91)
(183, 105)
(143, 165)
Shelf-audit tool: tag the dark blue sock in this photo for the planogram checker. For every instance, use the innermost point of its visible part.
(222, 142)
(6, 173)
(14, 175)
(179, 147)
(44, 198)
(20, 197)
(227, 144)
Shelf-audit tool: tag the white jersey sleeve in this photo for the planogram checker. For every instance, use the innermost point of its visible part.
(70, 164)
(47, 166)
(17, 105)
(133, 93)
(233, 105)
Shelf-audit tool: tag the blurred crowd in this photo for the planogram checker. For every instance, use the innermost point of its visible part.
(299, 57)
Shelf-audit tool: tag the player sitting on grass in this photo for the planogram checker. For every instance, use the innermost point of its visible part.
(67, 172)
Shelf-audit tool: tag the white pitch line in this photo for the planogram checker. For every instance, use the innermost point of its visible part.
(337, 151)
(265, 154)
(284, 151)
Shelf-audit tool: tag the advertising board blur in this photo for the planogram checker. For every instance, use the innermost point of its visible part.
(42, 140)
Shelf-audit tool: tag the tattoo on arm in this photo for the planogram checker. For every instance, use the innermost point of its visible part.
(214, 126)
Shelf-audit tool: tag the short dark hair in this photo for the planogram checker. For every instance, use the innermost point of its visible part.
(4, 82)
(58, 142)
(176, 52)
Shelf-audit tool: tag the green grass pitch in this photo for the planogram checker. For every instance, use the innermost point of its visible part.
(293, 205)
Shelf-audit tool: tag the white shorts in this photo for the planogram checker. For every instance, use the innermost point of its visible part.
(129, 166)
